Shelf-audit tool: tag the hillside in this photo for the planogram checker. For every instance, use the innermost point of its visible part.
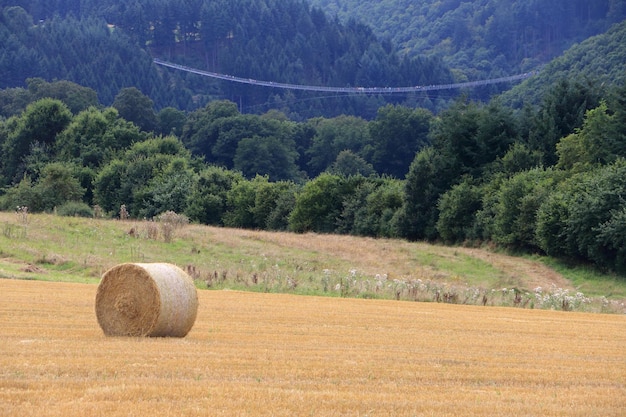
(109, 45)
(482, 38)
(48, 247)
(86, 51)
(599, 60)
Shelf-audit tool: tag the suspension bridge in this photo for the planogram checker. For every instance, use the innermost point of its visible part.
(348, 90)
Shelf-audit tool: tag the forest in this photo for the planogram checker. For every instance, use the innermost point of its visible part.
(482, 38)
(109, 45)
(538, 169)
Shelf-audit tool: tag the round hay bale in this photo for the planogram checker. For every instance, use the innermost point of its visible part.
(146, 299)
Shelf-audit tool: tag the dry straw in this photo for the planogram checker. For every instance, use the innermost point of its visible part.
(146, 299)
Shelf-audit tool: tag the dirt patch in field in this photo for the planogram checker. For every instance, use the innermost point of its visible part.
(11, 268)
(533, 273)
(30, 268)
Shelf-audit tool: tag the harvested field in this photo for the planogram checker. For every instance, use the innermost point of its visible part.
(252, 354)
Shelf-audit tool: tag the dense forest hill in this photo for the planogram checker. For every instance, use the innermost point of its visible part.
(108, 45)
(85, 50)
(600, 60)
(482, 38)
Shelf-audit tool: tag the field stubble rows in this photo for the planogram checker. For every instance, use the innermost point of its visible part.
(252, 354)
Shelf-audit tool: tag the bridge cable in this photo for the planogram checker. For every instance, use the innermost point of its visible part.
(350, 90)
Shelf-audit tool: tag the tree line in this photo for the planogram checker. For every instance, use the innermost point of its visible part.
(543, 179)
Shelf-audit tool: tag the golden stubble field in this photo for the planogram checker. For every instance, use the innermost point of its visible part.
(252, 354)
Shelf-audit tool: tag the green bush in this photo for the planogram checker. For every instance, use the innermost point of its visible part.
(457, 212)
(519, 199)
(595, 214)
(551, 230)
(585, 218)
(21, 195)
(612, 236)
(74, 209)
(318, 205)
(207, 200)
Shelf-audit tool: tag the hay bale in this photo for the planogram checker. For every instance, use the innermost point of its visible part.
(146, 299)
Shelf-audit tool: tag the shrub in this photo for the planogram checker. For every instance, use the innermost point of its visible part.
(21, 195)
(58, 185)
(519, 199)
(318, 204)
(457, 211)
(595, 215)
(551, 231)
(75, 209)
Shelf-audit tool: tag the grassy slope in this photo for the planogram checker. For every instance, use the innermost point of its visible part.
(47, 247)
